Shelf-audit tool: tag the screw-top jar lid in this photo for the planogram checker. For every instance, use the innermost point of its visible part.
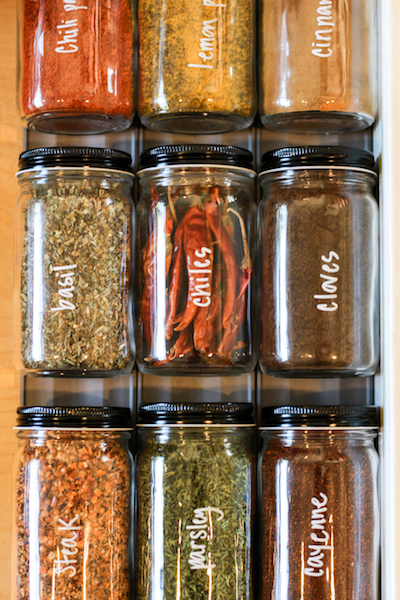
(318, 156)
(196, 154)
(69, 156)
(74, 416)
(320, 416)
(196, 413)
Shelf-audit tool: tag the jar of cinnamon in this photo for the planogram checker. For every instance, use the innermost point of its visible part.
(318, 65)
(319, 262)
(76, 65)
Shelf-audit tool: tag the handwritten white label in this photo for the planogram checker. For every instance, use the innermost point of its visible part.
(65, 276)
(320, 540)
(200, 278)
(208, 39)
(323, 39)
(329, 283)
(67, 551)
(68, 30)
(202, 528)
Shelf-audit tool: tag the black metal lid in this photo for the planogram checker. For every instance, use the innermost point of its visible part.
(196, 154)
(70, 156)
(196, 413)
(74, 416)
(307, 156)
(320, 416)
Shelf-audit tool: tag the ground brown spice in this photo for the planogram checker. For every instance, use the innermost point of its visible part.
(72, 517)
(89, 329)
(196, 65)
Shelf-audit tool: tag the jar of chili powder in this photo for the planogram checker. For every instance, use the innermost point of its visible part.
(318, 65)
(319, 262)
(319, 502)
(72, 511)
(195, 501)
(76, 65)
(73, 284)
(196, 251)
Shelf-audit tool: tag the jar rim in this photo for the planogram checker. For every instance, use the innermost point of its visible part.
(196, 414)
(318, 168)
(176, 154)
(326, 417)
(73, 417)
(193, 166)
(76, 156)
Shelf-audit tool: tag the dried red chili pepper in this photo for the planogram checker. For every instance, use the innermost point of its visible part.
(76, 65)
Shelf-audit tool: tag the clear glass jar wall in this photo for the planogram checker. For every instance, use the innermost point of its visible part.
(73, 292)
(318, 65)
(196, 267)
(72, 513)
(77, 65)
(195, 503)
(318, 498)
(319, 269)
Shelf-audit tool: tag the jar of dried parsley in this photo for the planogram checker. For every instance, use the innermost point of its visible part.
(72, 516)
(76, 65)
(196, 248)
(196, 65)
(319, 262)
(195, 501)
(74, 262)
(319, 503)
(318, 65)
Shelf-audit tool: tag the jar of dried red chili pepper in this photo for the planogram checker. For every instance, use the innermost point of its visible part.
(318, 495)
(73, 284)
(196, 251)
(76, 65)
(319, 262)
(72, 503)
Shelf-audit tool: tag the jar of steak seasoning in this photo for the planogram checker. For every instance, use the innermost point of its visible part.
(195, 502)
(73, 293)
(72, 511)
(319, 503)
(319, 262)
(195, 260)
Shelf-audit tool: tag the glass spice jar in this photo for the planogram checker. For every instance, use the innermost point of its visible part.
(318, 65)
(196, 249)
(319, 503)
(196, 65)
(76, 72)
(72, 512)
(195, 502)
(73, 292)
(319, 264)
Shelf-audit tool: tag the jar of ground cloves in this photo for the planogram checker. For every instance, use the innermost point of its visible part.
(76, 65)
(195, 253)
(319, 503)
(195, 502)
(318, 65)
(72, 504)
(73, 292)
(196, 65)
(319, 263)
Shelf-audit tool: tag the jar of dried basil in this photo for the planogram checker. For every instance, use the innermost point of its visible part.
(74, 262)
(196, 65)
(318, 65)
(319, 262)
(72, 512)
(195, 502)
(196, 248)
(319, 503)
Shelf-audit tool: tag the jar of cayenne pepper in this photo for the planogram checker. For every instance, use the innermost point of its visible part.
(319, 503)
(73, 284)
(76, 65)
(195, 260)
(318, 65)
(319, 262)
(72, 504)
